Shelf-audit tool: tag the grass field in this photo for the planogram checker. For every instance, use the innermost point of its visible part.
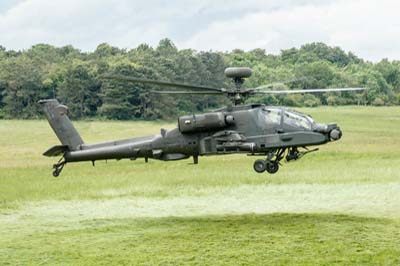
(340, 205)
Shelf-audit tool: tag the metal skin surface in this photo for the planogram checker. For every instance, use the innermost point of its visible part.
(252, 129)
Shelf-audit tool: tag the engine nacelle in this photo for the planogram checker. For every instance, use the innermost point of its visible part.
(202, 122)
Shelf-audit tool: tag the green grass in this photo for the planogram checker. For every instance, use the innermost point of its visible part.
(217, 240)
(340, 205)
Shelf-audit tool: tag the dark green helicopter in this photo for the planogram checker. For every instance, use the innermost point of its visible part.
(255, 129)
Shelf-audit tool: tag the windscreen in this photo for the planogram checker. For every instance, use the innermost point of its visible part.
(296, 120)
(272, 116)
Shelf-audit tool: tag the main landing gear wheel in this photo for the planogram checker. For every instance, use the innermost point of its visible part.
(260, 166)
(271, 163)
(272, 167)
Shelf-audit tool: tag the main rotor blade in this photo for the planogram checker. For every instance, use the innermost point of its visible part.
(188, 92)
(159, 83)
(271, 85)
(309, 90)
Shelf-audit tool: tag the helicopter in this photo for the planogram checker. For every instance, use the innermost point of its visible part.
(272, 132)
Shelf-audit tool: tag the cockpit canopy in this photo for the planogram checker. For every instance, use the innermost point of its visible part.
(285, 118)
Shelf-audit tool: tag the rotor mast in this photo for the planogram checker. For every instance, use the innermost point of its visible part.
(238, 74)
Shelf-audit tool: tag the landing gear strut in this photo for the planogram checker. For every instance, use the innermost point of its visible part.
(58, 167)
(272, 162)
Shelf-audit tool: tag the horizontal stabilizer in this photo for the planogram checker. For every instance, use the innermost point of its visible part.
(56, 151)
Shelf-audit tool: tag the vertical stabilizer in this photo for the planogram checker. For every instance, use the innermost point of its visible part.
(56, 114)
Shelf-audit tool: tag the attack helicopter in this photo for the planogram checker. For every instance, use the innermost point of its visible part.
(272, 132)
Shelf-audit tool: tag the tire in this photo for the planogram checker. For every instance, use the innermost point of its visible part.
(272, 167)
(259, 166)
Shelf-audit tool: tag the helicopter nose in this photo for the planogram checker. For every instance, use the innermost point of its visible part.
(331, 130)
(335, 134)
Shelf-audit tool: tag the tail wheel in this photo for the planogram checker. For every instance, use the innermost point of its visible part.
(56, 173)
(260, 166)
(58, 167)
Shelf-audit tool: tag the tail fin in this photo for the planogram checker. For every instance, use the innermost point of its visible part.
(56, 114)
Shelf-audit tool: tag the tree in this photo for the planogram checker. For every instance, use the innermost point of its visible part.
(80, 90)
(122, 100)
(22, 87)
(390, 72)
(46, 71)
(104, 50)
(166, 48)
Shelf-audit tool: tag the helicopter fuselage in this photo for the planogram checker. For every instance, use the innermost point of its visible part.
(252, 129)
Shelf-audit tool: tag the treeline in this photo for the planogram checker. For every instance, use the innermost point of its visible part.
(72, 76)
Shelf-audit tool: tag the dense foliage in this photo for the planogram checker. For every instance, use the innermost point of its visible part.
(45, 71)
